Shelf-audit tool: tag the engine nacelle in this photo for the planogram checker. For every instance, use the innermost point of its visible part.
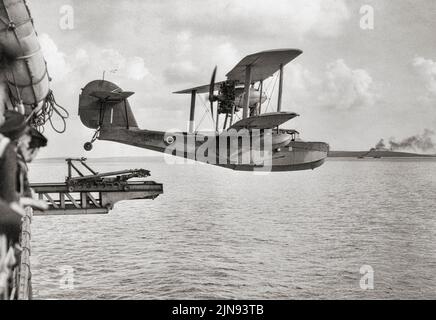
(254, 97)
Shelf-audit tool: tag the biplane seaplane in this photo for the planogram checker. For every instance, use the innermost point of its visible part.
(253, 142)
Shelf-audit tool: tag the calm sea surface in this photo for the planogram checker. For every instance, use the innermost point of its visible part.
(220, 234)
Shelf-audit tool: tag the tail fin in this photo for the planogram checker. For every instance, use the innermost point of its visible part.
(104, 104)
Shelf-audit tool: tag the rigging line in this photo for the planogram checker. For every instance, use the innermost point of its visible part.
(198, 126)
(207, 109)
(272, 91)
(269, 84)
(204, 114)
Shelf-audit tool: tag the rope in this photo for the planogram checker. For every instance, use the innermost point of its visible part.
(40, 116)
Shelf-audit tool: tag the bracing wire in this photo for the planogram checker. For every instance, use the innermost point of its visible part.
(269, 84)
(199, 124)
(207, 109)
(204, 114)
(272, 91)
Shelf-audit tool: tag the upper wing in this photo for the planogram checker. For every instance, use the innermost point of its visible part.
(264, 121)
(201, 89)
(263, 64)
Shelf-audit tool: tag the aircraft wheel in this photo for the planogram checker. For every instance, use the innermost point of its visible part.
(87, 146)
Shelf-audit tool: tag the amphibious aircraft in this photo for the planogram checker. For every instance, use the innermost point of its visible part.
(254, 142)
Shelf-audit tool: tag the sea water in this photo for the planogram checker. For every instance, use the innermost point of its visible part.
(349, 229)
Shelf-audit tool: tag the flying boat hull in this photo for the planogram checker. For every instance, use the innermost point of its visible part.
(296, 155)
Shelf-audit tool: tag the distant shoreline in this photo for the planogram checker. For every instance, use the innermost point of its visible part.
(377, 154)
(104, 159)
(332, 154)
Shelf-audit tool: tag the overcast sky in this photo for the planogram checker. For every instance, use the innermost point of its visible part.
(351, 86)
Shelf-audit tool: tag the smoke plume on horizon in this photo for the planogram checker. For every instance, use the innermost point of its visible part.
(420, 142)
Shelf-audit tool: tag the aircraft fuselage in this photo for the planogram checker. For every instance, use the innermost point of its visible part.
(265, 150)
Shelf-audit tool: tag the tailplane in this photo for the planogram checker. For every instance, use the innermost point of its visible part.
(104, 104)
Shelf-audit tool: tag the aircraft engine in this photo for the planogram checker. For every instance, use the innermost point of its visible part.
(226, 97)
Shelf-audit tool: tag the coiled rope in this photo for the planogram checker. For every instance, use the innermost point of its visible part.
(40, 116)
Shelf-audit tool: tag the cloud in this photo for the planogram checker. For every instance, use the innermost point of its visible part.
(132, 68)
(245, 18)
(61, 65)
(135, 69)
(426, 69)
(320, 17)
(58, 67)
(345, 88)
(181, 72)
(194, 64)
(183, 42)
(300, 79)
(338, 87)
(187, 33)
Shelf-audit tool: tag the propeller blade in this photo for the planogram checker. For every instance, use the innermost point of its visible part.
(211, 108)
(212, 85)
(212, 89)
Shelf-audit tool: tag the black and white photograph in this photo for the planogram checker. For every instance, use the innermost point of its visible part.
(231, 151)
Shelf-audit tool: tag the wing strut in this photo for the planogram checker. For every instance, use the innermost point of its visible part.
(231, 116)
(247, 91)
(259, 111)
(217, 118)
(225, 121)
(192, 112)
(279, 101)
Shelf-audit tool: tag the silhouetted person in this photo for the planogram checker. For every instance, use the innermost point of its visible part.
(11, 211)
(28, 147)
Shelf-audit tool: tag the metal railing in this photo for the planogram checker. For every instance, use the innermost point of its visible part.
(15, 279)
(24, 274)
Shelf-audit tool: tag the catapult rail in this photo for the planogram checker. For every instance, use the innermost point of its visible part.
(137, 173)
(95, 193)
(111, 187)
(92, 199)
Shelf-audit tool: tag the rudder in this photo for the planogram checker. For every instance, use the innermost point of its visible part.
(103, 103)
